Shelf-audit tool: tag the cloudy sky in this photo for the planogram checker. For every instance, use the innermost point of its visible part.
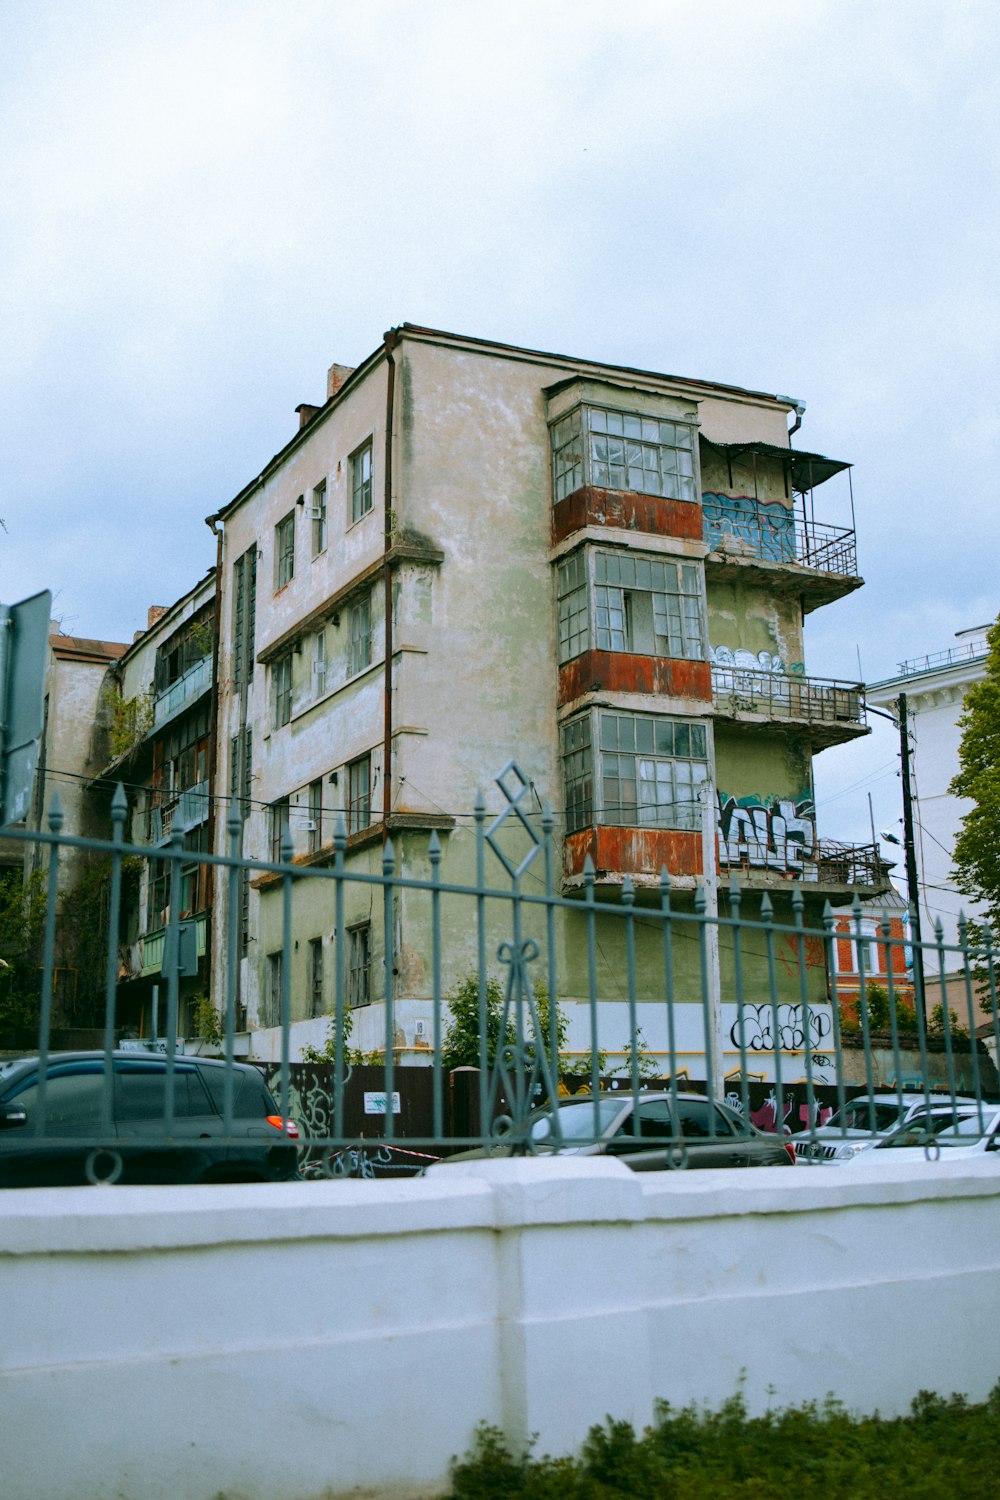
(203, 205)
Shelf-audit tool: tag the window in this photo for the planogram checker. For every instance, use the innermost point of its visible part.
(359, 988)
(574, 613)
(319, 663)
(361, 481)
(284, 551)
(317, 515)
(618, 450)
(272, 994)
(648, 606)
(315, 965)
(359, 794)
(315, 815)
(244, 608)
(647, 771)
(279, 827)
(282, 675)
(361, 635)
(862, 947)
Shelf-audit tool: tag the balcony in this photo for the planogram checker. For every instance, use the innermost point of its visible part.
(186, 690)
(151, 945)
(831, 712)
(810, 558)
(771, 860)
(187, 809)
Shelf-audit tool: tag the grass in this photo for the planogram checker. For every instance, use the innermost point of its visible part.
(944, 1447)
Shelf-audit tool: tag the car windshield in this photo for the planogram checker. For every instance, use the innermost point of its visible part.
(576, 1120)
(865, 1114)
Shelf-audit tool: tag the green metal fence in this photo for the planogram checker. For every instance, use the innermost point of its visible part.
(795, 1062)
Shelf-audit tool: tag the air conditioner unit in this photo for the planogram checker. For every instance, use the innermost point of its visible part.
(420, 1031)
(315, 514)
(309, 826)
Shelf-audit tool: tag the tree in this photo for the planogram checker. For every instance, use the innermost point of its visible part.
(22, 919)
(976, 859)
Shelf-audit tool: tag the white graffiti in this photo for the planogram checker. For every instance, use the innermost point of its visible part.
(778, 837)
(745, 661)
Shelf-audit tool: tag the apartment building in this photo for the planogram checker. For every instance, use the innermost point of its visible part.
(935, 687)
(473, 553)
(161, 707)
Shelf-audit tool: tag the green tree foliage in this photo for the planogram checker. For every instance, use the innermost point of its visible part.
(976, 859)
(22, 922)
(461, 1038)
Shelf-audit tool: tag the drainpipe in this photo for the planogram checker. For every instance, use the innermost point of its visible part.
(391, 339)
(799, 407)
(213, 723)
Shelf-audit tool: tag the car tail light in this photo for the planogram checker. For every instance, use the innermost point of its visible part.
(288, 1126)
(791, 1152)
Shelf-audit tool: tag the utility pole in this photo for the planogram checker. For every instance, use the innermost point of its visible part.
(909, 850)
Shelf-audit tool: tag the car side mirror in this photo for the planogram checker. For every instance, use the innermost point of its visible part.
(12, 1115)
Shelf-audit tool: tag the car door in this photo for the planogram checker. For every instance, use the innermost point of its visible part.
(149, 1154)
(54, 1153)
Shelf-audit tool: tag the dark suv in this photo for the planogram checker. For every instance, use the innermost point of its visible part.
(75, 1146)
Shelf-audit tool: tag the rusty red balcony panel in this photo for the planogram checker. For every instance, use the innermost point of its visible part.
(633, 851)
(622, 672)
(589, 506)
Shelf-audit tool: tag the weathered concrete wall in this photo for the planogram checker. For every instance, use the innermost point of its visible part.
(331, 1338)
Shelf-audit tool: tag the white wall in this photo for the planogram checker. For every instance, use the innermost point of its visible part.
(296, 1340)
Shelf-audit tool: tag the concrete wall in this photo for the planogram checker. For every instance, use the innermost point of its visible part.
(325, 1339)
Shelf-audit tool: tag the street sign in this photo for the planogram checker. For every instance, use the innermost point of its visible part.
(24, 649)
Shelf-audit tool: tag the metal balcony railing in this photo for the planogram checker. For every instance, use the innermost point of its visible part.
(971, 651)
(195, 681)
(777, 535)
(824, 862)
(819, 700)
(189, 807)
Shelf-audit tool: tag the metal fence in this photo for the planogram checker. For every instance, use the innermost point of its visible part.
(803, 1036)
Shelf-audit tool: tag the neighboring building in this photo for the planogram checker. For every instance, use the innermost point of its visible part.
(471, 553)
(873, 945)
(162, 755)
(935, 688)
(77, 719)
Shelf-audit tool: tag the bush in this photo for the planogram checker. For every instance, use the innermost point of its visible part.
(943, 1447)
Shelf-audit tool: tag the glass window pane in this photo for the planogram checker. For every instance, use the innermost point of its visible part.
(614, 420)
(598, 420)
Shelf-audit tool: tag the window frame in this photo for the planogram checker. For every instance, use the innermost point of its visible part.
(320, 664)
(281, 691)
(359, 965)
(590, 617)
(360, 646)
(272, 994)
(319, 522)
(316, 814)
(358, 774)
(314, 977)
(576, 436)
(362, 484)
(279, 821)
(284, 551)
(596, 775)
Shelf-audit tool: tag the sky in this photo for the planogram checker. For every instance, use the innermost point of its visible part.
(203, 205)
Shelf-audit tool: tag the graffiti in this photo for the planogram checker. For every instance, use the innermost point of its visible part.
(369, 1162)
(740, 523)
(745, 661)
(754, 1030)
(776, 837)
(813, 955)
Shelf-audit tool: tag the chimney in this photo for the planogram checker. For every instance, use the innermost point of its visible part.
(335, 377)
(154, 613)
(306, 413)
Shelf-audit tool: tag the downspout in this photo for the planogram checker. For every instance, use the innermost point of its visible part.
(391, 339)
(213, 722)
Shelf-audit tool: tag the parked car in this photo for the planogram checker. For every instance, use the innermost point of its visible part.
(76, 1146)
(648, 1137)
(974, 1132)
(862, 1123)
